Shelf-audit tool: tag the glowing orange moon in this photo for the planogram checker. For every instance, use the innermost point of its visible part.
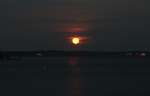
(75, 40)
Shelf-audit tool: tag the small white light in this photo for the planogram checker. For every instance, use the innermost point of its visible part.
(143, 54)
(39, 54)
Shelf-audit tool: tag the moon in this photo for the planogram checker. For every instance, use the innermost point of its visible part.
(75, 40)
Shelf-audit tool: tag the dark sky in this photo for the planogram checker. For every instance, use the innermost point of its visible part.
(108, 25)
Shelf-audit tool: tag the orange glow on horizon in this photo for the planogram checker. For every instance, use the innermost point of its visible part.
(77, 27)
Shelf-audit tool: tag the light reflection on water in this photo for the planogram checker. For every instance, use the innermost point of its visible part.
(75, 87)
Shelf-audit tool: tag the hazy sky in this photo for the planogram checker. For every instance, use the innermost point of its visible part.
(48, 24)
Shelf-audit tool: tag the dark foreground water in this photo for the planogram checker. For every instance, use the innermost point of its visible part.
(74, 76)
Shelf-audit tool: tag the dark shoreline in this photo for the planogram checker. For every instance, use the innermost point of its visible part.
(53, 53)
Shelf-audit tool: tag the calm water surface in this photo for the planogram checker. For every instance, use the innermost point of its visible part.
(76, 76)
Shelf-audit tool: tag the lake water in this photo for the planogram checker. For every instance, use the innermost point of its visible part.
(75, 76)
